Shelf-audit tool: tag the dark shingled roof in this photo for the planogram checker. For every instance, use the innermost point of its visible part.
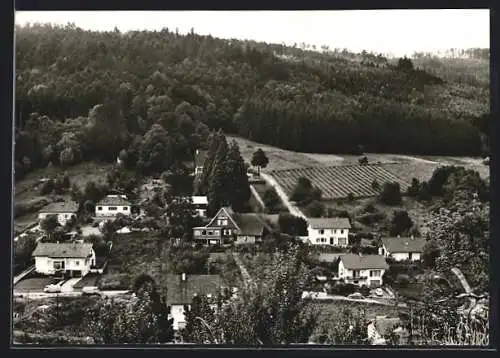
(60, 207)
(182, 293)
(63, 250)
(329, 223)
(249, 224)
(403, 244)
(362, 262)
(199, 157)
(116, 200)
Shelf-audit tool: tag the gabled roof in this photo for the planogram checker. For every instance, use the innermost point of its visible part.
(63, 250)
(329, 223)
(199, 200)
(403, 244)
(199, 157)
(363, 262)
(249, 224)
(117, 200)
(182, 292)
(60, 207)
(228, 212)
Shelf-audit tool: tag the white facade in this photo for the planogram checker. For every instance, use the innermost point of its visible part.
(200, 204)
(401, 256)
(177, 313)
(368, 277)
(113, 205)
(62, 218)
(50, 265)
(333, 237)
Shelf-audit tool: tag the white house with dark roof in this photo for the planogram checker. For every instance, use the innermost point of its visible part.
(74, 259)
(181, 289)
(328, 231)
(113, 205)
(63, 210)
(362, 269)
(402, 248)
(200, 205)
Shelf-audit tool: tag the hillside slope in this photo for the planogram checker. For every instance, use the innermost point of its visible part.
(331, 102)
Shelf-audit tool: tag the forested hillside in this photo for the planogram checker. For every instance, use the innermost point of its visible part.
(83, 95)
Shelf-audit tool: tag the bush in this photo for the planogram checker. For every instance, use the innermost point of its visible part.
(371, 218)
(400, 223)
(47, 187)
(364, 290)
(402, 280)
(391, 194)
(315, 209)
(271, 200)
(343, 289)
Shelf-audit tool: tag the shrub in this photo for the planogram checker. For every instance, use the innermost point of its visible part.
(371, 218)
(391, 194)
(400, 223)
(315, 209)
(364, 290)
(343, 289)
(402, 280)
(47, 187)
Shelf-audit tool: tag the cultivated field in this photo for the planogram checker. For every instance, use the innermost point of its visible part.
(339, 181)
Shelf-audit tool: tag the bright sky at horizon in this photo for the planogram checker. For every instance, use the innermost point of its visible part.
(399, 32)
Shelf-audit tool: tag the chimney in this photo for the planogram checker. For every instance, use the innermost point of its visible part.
(183, 277)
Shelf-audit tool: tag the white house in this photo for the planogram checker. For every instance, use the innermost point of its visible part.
(362, 269)
(402, 248)
(63, 210)
(328, 231)
(181, 289)
(200, 204)
(74, 259)
(113, 205)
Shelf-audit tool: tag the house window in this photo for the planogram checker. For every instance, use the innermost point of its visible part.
(321, 231)
(342, 241)
(112, 208)
(334, 231)
(355, 273)
(374, 273)
(99, 208)
(58, 265)
(318, 240)
(342, 231)
(125, 208)
(65, 216)
(77, 263)
(204, 232)
(210, 233)
(222, 222)
(216, 232)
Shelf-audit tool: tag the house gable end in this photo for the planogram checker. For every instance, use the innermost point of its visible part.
(223, 214)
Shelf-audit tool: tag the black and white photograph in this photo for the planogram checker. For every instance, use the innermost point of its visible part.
(251, 178)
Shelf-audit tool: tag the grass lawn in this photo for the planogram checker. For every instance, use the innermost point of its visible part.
(89, 280)
(131, 255)
(34, 283)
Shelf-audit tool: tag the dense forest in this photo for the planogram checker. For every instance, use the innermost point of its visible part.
(84, 95)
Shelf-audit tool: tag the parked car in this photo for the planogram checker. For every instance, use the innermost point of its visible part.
(356, 295)
(91, 291)
(52, 288)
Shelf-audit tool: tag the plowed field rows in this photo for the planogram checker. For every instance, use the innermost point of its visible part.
(338, 182)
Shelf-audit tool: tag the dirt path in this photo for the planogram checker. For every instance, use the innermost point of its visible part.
(243, 269)
(291, 208)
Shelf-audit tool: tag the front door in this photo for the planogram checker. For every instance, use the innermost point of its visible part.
(409, 256)
(331, 241)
